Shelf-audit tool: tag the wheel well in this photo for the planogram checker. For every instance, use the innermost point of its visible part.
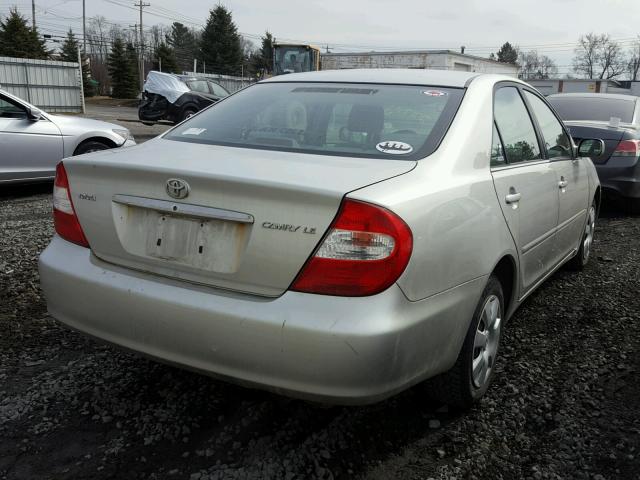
(103, 140)
(598, 198)
(505, 270)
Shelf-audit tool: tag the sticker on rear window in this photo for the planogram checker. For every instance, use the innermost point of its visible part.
(435, 93)
(394, 148)
(194, 131)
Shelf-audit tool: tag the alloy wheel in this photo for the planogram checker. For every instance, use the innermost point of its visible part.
(485, 345)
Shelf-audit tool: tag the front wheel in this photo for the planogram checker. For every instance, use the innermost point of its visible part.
(580, 260)
(90, 146)
(473, 372)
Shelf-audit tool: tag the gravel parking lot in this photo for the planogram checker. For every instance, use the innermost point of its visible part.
(565, 403)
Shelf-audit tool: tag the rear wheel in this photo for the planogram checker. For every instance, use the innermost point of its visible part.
(580, 260)
(473, 372)
(188, 112)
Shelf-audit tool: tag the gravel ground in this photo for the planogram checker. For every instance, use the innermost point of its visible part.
(564, 405)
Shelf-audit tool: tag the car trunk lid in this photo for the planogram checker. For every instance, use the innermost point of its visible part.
(598, 130)
(250, 220)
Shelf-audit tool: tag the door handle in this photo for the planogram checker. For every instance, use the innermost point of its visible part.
(563, 183)
(513, 198)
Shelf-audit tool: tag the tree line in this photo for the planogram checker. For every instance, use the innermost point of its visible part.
(111, 60)
(111, 53)
(596, 56)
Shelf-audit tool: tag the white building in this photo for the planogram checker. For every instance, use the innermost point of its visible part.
(431, 59)
(580, 85)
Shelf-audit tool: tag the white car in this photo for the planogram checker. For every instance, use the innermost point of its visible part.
(32, 142)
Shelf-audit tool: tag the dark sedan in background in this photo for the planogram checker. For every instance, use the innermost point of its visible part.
(616, 120)
(176, 97)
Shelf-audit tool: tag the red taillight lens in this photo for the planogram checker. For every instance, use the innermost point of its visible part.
(64, 215)
(627, 148)
(366, 250)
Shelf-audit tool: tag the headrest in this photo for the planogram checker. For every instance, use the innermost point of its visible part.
(366, 118)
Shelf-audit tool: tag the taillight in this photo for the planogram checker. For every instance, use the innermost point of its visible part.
(366, 250)
(64, 215)
(627, 148)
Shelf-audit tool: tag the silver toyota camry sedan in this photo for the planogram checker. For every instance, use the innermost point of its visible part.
(32, 142)
(338, 236)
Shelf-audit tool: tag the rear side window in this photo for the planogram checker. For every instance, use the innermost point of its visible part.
(361, 120)
(556, 140)
(512, 118)
(598, 109)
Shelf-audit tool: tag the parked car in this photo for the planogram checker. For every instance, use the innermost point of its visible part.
(616, 120)
(338, 235)
(33, 141)
(176, 97)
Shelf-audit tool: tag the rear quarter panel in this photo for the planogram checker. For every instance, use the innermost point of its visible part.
(449, 202)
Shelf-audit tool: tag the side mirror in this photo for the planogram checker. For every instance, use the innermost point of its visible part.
(590, 147)
(34, 114)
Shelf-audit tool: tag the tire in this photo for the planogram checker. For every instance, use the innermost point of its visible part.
(90, 146)
(188, 112)
(460, 387)
(580, 260)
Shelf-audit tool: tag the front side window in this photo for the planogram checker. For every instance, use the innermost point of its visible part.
(363, 120)
(10, 109)
(556, 140)
(512, 118)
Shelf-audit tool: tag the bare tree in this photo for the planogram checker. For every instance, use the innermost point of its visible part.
(535, 66)
(598, 56)
(634, 61)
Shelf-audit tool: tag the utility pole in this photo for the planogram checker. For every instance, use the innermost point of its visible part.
(84, 28)
(141, 5)
(33, 13)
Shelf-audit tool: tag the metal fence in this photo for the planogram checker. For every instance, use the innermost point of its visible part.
(232, 84)
(47, 84)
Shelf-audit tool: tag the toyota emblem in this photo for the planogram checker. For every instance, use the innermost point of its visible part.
(177, 188)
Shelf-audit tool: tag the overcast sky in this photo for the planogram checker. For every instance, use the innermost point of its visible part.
(550, 26)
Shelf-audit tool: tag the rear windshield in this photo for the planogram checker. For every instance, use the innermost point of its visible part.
(593, 108)
(362, 120)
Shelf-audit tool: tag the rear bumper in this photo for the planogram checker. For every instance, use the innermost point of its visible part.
(620, 176)
(330, 349)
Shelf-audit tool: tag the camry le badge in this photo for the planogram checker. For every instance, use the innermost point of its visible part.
(177, 188)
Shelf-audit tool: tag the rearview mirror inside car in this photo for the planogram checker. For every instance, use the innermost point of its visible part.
(590, 147)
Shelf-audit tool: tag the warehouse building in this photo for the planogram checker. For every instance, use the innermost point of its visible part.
(431, 59)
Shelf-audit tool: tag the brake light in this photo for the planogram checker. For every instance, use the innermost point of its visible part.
(366, 250)
(627, 148)
(65, 219)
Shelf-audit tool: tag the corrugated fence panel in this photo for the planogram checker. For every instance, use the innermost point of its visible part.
(47, 84)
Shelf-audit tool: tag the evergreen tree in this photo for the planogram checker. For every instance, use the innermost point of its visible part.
(70, 46)
(165, 53)
(134, 66)
(120, 70)
(508, 54)
(220, 43)
(262, 60)
(184, 45)
(69, 53)
(19, 40)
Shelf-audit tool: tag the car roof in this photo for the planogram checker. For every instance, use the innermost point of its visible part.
(610, 96)
(403, 76)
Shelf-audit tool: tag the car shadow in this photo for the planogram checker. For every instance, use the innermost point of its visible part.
(8, 192)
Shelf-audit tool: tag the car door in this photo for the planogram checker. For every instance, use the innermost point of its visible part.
(526, 185)
(571, 175)
(30, 148)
